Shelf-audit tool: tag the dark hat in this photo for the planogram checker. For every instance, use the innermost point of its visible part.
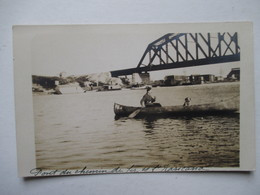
(148, 88)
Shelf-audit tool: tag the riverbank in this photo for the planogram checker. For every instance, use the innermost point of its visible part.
(71, 89)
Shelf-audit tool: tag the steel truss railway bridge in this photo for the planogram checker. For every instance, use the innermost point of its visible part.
(179, 50)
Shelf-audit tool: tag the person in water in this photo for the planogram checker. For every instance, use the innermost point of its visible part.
(148, 100)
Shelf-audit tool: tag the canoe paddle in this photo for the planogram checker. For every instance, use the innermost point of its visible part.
(136, 112)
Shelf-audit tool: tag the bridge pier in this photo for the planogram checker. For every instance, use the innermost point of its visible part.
(141, 78)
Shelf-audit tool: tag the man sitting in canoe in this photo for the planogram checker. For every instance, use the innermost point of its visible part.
(148, 100)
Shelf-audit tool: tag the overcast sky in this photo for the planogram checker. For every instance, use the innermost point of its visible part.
(79, 51)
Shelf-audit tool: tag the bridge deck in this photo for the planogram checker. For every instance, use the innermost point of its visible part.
(183, 64)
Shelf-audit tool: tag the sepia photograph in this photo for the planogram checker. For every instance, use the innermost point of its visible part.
(117, 99)
(129, 97)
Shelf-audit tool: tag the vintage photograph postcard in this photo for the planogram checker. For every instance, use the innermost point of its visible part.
(97, 99)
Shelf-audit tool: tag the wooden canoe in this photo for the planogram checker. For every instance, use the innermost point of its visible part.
(210, 109)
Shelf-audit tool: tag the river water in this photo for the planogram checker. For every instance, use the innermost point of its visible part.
(77, 130)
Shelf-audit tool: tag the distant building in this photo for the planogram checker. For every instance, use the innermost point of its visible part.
(158, 83)
(208, 78)
(200, 79)
(196, 79)
(172, 80)
(219, 78)
(234, 74)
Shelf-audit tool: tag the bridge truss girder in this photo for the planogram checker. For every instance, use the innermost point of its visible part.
(186, 49)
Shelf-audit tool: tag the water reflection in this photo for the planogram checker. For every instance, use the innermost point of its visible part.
(191, 141)
(149, 122)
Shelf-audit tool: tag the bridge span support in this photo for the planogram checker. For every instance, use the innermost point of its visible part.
(141, 78)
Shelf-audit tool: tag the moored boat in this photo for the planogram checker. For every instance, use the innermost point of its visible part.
(110, 88)
(70, 88)
(212, 108)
